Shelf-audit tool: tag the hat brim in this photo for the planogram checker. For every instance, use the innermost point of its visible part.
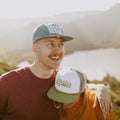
(61, 97)
(65, 38)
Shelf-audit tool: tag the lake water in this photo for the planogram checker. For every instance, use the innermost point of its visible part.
(95, 63)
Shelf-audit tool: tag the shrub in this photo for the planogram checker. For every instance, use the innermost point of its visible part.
(5, 67)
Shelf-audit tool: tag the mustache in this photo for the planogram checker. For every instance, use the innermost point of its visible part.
(56, 54)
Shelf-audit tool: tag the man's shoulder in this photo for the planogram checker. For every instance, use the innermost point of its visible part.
(12, 74)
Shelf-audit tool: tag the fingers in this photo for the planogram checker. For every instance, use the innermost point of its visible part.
(103, 108)
(103, 98)
(111, 107)
(105, 105)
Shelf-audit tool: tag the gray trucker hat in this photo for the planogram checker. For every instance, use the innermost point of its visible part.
(49, 30)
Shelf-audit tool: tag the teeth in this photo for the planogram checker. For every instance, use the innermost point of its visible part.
(56, 58)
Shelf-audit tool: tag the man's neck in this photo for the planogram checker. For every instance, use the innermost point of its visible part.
(41, 72)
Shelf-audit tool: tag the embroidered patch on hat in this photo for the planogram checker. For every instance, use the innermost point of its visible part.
(64, 83)
(67, 81)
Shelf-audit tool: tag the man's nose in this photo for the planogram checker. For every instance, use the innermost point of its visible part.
(58, 48)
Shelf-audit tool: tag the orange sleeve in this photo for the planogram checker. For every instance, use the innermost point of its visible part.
(99, 111)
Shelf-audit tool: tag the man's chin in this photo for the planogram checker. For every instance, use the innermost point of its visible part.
(54, 66)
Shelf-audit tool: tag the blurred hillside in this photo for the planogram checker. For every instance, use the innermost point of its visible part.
(90, 29)
(5, 67)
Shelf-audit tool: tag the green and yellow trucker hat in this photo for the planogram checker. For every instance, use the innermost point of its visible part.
(49, 30)
(69, 84)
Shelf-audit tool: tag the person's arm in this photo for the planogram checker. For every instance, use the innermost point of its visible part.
(103, 98)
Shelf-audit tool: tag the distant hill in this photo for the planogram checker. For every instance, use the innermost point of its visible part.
(90, 29)
(101, 30)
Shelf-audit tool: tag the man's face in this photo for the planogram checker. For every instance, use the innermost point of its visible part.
(49, 52)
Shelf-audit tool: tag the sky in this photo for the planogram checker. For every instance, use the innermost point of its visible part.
(40, 8)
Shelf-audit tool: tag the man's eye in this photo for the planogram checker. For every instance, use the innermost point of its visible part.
(61, 44)
(51, 44)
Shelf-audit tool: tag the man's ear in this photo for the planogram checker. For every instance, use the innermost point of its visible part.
(34, 49)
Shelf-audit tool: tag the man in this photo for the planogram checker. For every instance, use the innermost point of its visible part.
(23, 92)
(77, 101)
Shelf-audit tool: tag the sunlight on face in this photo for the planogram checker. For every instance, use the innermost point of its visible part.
(49, 52)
